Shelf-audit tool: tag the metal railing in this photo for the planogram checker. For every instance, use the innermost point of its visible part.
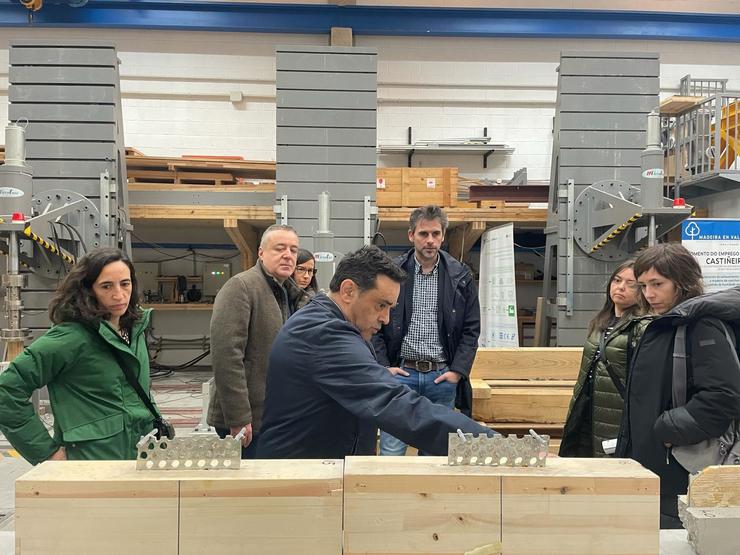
(701, 87)
(705, 140)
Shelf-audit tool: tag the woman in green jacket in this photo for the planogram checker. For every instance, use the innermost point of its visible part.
(595, 411)
(97, 413)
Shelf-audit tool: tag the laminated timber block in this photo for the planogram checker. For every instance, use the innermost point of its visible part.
(580, 507)
(74, 507)
(545, 405)
(410, 505)
(267, 507)
(419, 505)
(527, 363)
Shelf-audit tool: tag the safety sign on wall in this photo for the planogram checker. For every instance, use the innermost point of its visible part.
(497, 289)
(716, 246)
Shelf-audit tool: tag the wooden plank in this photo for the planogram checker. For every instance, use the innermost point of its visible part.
(499, 363)
(676, 105)
(715, 486)
(544, 404)
(262, 216)
(267, 187)
(267, 507)
(580, 507)
(522, 215)
(522, 428)
(530, 383)
(74, 507)
(395, 505)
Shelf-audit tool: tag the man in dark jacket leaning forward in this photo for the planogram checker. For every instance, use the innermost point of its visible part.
(324, 383)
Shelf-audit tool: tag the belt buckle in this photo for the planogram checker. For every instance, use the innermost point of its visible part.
(418, 364)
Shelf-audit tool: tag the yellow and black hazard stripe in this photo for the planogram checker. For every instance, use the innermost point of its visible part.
(51, 247)
(9, 453)
(616, 232)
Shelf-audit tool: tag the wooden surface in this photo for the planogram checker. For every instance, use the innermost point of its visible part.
(396, 505)
(69, 508)
(524, 404)
(271, 508)
(536, 363)
(715, 486)
(260, 215)
(108, 507)
(678, 104)
(181, 306)
(410, 505)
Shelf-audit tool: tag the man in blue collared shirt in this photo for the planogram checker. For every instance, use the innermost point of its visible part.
(432, 337)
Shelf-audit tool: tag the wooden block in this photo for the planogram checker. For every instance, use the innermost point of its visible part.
(555, 363)
(522, 428)
(546, 405)
(715, 486)
(419, 505)
(481, 390)
(529, 383)
(268, 507)
(105, 507)
(395, 505)
(580, 507)
(341, 36)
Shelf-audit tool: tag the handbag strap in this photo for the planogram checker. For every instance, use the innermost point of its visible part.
(680, 362)
(610, 370)
(133, 382)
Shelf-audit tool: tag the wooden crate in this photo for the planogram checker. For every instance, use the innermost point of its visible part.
(419, 505)
(412, 187)
(265, 507)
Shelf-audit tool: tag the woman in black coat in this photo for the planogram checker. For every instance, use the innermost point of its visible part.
(671, 281)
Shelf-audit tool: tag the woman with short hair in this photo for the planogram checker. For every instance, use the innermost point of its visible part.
(671, 282)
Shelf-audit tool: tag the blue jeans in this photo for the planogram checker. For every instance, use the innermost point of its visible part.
(442, 393)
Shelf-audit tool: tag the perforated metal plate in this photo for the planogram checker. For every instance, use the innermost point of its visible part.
(467, 450)
(188, 453)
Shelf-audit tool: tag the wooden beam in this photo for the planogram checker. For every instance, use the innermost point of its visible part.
(13, 349)
(260, 216)
(678, 104)
(516, 214)
(462, 238)
(341, 36)
(531, 363)
(245, 238)
(548, 405)
(481, 389)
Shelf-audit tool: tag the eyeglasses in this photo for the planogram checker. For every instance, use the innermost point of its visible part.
(305, 271)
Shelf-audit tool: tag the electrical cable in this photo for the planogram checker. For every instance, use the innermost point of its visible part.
(71, 228)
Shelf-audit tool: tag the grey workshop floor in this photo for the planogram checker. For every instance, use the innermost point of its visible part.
(180, 399)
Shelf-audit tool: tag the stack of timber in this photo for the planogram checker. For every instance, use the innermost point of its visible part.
(265, 507)
(420, 505)
(515, 389)
(197, 170)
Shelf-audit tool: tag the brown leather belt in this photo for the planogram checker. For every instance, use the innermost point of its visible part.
(424, 366)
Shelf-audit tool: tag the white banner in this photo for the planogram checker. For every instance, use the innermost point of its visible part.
(716, 246)
(497, 288)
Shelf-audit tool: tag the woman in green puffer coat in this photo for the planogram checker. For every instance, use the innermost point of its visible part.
(98, 326)
(595, 411)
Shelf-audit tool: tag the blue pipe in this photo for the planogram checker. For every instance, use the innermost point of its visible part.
(370, 20)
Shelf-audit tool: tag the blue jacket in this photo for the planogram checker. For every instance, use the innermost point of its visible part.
(458, 321)
(324, 387)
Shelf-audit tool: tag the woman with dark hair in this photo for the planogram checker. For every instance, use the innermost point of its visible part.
(671, 282)
(304, 274)
(98, 326)
(596, 407)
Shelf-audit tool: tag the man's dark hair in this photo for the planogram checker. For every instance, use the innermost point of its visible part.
(363, 267)
(75, 301)
(428, 212)
(674, 262)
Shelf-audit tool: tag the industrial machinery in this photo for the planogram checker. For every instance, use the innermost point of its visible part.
(607, 184)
